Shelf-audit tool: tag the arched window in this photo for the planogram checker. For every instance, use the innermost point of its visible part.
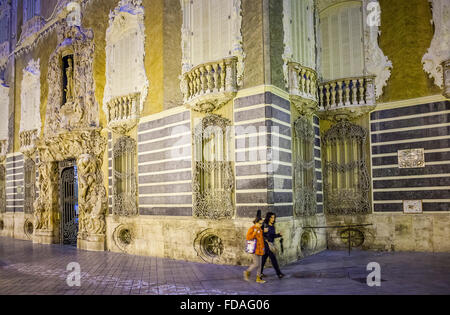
(213, 174)
(300, 40)
(124, 177)
(304, 168)
(29, 182)
(30, 99)
(341, 32)
(2, 189)
(211, 32)
(125, 70)
(346, 179)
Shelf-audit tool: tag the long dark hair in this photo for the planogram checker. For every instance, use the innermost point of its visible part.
(258, 217)
(268, 216)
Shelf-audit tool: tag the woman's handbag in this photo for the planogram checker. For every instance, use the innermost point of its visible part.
(250, 246)
(272, 248)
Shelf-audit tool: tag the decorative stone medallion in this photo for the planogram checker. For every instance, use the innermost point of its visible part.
(411, 158)
(412, 206)
(209, 246)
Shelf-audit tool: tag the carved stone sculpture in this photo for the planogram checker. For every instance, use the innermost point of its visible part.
(439, 50)
(81, 111)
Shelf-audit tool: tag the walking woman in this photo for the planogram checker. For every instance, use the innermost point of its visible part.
(255, 232)
(269, 249)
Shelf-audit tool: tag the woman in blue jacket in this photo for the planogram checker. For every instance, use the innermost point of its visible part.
(269, 237)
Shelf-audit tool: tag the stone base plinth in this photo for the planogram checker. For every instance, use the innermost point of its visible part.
(92, 243)
(44, 237)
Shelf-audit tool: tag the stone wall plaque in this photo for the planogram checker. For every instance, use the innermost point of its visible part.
(411, 158)
(412, 206)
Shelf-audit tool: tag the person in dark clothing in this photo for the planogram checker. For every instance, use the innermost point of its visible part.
(269, 236)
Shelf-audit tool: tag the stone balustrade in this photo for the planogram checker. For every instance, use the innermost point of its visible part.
(123, 111)
(347, 92)
(28, 140)
(302, 81)
(208, 86)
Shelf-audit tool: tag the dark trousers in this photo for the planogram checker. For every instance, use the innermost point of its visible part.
(273, 259)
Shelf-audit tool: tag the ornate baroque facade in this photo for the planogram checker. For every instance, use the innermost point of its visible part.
(159, 128)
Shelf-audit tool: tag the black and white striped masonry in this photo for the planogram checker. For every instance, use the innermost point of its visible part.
(15, 183)
(165, 164)
(424, 126)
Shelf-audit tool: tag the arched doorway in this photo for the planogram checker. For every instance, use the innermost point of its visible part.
(69, 214)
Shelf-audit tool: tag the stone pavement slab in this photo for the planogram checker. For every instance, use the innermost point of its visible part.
(27, 268)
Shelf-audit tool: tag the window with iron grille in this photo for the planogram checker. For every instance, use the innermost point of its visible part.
(213, 174)
(124, 177)
(304, 168)
(30, 185)
(346, 178)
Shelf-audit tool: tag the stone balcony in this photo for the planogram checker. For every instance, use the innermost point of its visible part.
(123, 112)
(209, 86)
(28, 140)
(348, 97)
(303, 87)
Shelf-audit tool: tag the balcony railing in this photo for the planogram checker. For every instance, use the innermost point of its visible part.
(302, 82)
(209, 86)
(28, 141)
(123, 111)
(349, 95)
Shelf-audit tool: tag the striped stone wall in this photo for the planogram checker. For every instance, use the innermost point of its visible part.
(424, 126)
(165, 164)
(263, 155)
(318, 164)
(14, 180)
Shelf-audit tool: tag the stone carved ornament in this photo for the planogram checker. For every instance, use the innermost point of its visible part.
(88, 148)
(376, 63)
(126, 22)
(81, 111)
(237, 41)
(439, 50)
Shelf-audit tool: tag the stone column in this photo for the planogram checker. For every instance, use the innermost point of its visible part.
(46, 206)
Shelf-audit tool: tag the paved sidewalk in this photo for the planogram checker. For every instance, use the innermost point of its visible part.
(27, 268)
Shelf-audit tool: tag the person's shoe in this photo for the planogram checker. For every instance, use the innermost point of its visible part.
(259, 280)
(280, 276)
(247, 275)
